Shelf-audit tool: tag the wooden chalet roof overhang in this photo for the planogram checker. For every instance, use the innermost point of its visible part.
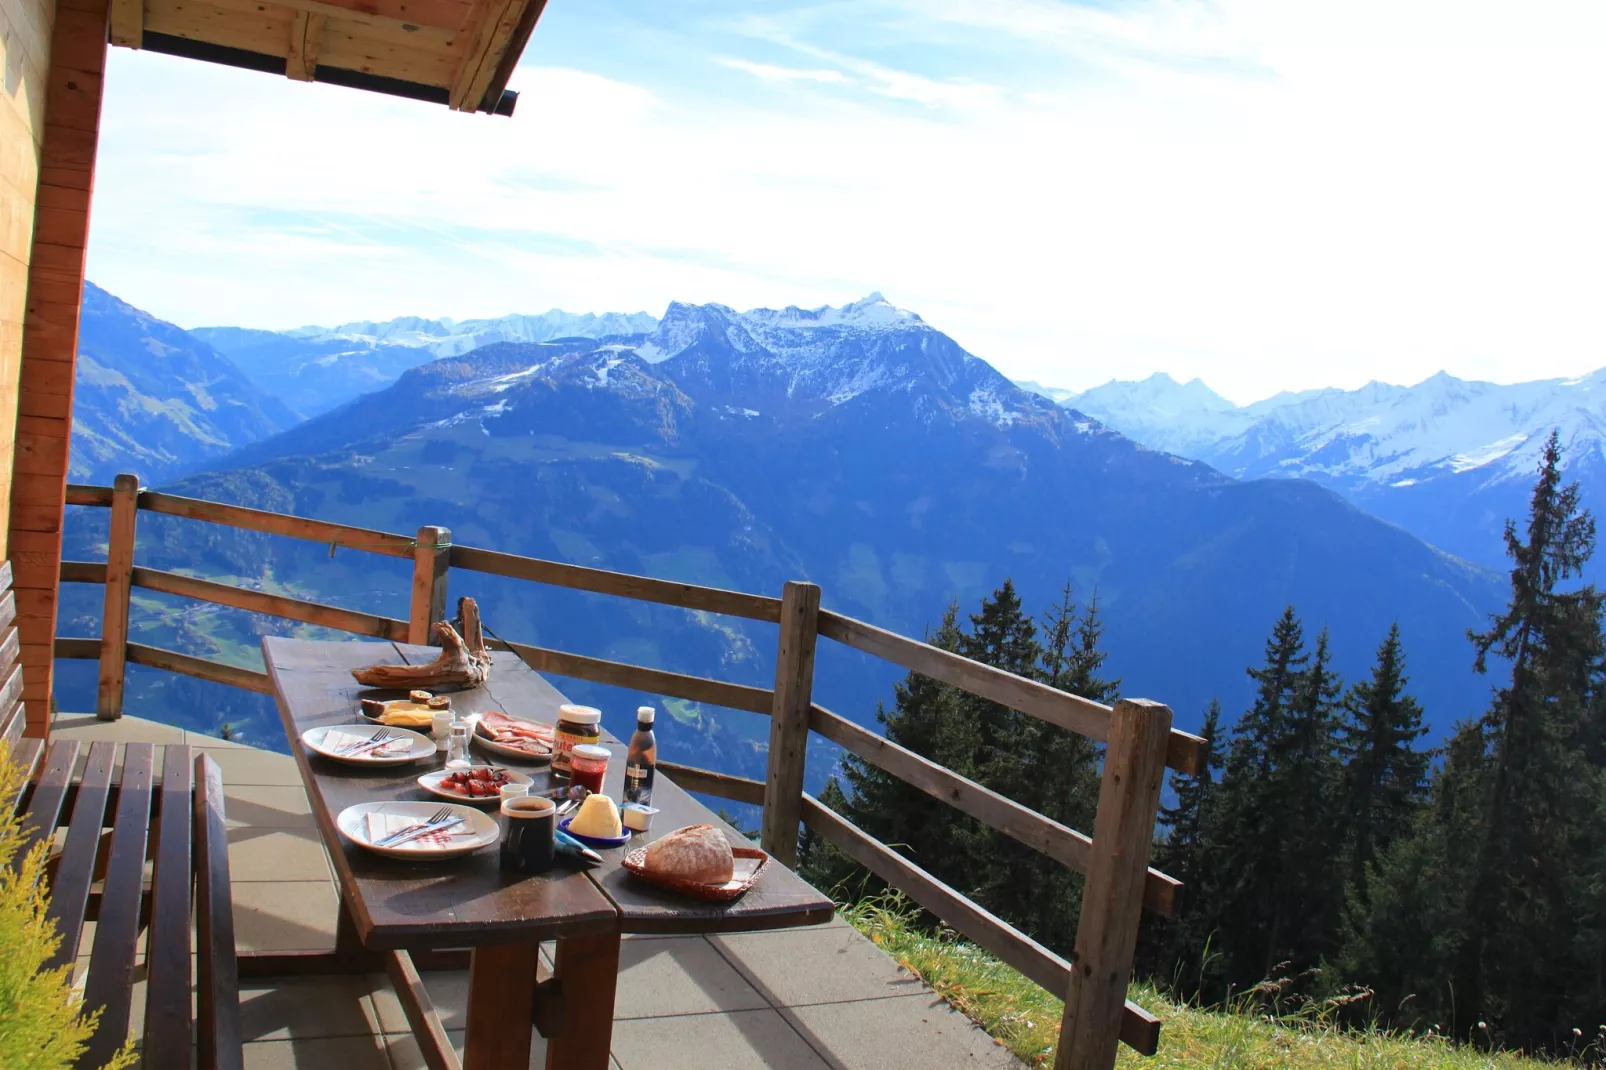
(460, 53)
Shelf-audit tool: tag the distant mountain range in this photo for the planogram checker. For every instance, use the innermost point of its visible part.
(855, 446)
(315, 369)
(1447, 459)
(157, 400)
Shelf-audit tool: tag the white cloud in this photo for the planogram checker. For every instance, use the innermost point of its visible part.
(769, 72)
(1269, 194)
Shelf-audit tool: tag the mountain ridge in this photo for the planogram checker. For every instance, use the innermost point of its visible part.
(1447, 458)
(152, 398)
(882, 461)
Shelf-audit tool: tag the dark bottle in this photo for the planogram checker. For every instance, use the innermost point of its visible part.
(641, 763)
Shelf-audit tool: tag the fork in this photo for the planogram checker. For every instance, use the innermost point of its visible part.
(377, 740)
(434, 819)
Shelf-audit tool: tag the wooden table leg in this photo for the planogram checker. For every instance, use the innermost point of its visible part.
(501, 1007)
(587, 969)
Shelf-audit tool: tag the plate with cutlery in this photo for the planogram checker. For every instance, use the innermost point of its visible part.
(417, 831)
(363, 744)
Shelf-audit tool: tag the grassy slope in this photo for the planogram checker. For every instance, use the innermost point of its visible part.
(1025, 1018)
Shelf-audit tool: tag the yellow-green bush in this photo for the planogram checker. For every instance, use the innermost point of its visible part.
(43, 1024)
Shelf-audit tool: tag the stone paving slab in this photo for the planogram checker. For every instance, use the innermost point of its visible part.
(757, 1038)
(793, 967)
(807, 998)
(917, 1030)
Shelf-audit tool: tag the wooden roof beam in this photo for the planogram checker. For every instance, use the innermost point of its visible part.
(306, 38)
(126, 23)
(489, 61)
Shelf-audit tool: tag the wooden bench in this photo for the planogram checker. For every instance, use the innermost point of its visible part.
(99, 875)
(118, 816)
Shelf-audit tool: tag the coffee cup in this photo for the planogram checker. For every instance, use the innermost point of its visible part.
(529, 828)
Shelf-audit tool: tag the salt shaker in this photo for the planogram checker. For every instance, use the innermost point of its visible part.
(457, 747)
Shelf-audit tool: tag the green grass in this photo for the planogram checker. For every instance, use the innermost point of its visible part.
(1025, 1018)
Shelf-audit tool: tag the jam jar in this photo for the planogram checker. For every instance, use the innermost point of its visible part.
(577, 726)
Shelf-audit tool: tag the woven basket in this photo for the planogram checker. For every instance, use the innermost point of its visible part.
(635, 862)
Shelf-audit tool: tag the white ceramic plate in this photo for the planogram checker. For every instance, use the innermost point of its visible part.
(431, 782)
(423, 746)
(504, 751)
(353, 825)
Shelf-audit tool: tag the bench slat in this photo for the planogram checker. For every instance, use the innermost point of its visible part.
(44, 805)
(75, 871)
(167, 955)
(217, 973)
(111, 959)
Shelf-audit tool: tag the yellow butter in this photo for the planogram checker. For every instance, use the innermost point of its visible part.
(599, 817)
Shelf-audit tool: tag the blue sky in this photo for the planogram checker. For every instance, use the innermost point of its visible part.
(1268, 194)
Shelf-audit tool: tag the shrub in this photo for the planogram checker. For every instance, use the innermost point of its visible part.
(43, 1024)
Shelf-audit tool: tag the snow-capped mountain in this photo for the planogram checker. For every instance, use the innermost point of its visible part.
(1159, 412)
(315, 369)
(804, 362)
(451, 338)
(1447, 458)
(860, 447)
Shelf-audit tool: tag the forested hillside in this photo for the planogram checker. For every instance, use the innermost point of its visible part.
(1328, 849)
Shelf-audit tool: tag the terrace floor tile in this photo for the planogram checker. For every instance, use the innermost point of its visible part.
(758, 1038)
(896, 1034)
(828, 964)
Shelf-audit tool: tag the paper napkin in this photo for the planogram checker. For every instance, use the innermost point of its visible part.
(380, 825)
(338, 741)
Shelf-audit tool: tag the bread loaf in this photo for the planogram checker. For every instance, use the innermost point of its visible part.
(695, 853)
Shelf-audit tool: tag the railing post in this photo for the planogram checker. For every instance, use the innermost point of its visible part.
(430, 564)
(114, 619)
(1112, 899)
(789, 720)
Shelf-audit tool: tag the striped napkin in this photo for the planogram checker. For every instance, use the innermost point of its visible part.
(380, 825)
(337, 741)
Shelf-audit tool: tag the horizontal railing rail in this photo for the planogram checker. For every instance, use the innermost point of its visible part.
(1064, 845)
(156, 657)
(639, 678)
(1140, 741)
(1184, 752)
(600, 581)
(273, 605)
(266, 523)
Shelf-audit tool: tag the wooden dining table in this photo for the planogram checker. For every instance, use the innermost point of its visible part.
(403, 916)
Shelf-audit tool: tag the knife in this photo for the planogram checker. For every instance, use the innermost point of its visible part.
(396, 839)
(569, 845)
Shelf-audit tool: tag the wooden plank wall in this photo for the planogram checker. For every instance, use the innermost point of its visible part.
(71, 133)
(24, 58)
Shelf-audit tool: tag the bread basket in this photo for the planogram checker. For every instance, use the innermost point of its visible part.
(750, 863)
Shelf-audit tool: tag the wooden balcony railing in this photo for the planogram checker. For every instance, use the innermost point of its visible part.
(1140, 742)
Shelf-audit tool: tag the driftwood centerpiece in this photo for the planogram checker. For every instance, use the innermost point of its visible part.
(463, 662)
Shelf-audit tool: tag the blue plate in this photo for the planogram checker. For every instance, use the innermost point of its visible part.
(595, 841)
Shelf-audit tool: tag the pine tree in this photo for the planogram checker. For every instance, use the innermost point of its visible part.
(1054, 772)
(1168, 950)
(1243, 863)
(1542, 795)
(1177, 852)
(1307, 780)
(1384, 776)
(1488, 912)
(934, 720)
